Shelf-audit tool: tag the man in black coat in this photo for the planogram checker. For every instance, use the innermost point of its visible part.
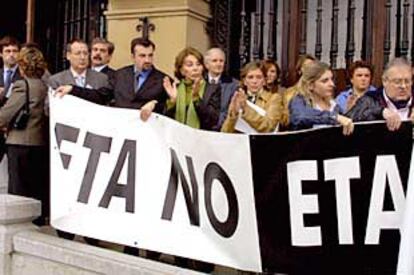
(139, 83)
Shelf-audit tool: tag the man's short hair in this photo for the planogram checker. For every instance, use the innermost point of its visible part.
(9, 41)
(396, 62)
(144, 42)
(210, 51)
(101, 40)
(72, 41)
(357, 65)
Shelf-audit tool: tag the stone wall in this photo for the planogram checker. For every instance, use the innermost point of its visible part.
(26, 250)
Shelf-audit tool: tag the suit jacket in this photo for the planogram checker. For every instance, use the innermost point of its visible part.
(97, 85)
(109, 72)
(36, 131)
(123, 86)
(228, 86)
(15, 77)
(208, 108)
(370, 106)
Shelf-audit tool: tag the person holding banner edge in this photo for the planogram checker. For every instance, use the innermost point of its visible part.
(314, 106)
(393, 102)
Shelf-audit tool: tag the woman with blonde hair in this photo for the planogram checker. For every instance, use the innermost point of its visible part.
(314, 106)
(252, 79)
(27, 146)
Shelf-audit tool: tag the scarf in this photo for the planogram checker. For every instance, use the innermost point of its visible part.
(185, 111)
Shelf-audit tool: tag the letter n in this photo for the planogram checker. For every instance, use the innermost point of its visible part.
(191, 200)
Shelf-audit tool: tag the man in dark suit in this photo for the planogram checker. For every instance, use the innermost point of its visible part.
(83, 82)
(214, 60)
(9, 73)
(137, 84)
(79, 80)
(9, 49)
(101, 54)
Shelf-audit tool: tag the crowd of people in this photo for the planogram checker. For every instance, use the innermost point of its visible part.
(201, 96)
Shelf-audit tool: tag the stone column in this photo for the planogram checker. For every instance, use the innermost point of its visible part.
(16, 214)
(178, 23)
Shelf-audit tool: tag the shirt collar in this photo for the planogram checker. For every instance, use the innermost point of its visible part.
(99, 68)
(390, 104)
(12, 68)
(75, 74)
(144, 73)
(216, 79)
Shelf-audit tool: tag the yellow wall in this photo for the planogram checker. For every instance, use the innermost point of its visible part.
(178, 23)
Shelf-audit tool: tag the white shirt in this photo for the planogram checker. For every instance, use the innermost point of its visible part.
(216, 79)
(99, 68)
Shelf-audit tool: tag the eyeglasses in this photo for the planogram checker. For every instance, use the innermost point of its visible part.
(401, 81)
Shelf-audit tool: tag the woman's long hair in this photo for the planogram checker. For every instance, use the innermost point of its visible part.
(268, 64)
(310, 74)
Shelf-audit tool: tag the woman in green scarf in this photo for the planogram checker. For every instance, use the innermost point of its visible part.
(192, 101)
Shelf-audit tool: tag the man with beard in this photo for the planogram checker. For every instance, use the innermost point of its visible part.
(135, 85)
(140, 83)
(101, 54)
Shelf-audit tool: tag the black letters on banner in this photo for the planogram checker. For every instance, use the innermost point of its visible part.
(191, 200)
(68, 133)
(120, 190)
(315, 219)
(228, 227)
(97, 144)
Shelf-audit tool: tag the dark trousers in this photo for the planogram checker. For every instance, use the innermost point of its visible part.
(28, 168)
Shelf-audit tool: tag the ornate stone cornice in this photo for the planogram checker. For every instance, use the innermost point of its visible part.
(157, 12)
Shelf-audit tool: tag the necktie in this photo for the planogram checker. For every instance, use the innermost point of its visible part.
(8, 80)
(140, 81)
(213, 81)
(80, 81)
(251, 98)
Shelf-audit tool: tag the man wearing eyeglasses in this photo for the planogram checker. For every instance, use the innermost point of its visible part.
(393, 102)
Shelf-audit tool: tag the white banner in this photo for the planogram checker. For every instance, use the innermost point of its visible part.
(157, 185)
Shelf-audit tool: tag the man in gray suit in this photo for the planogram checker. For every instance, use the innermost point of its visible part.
(79, 80)
(83, 82)
(132, 86)
(214, 60)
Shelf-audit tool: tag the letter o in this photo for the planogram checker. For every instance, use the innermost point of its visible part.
(228, 227)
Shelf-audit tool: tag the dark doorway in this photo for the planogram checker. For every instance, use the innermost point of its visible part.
(12, 19)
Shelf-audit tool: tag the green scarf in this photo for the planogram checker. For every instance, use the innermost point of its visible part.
(184, 110)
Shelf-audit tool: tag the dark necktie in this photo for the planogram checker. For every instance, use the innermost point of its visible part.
(8, 80)
(251, 98)
(213, 81)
